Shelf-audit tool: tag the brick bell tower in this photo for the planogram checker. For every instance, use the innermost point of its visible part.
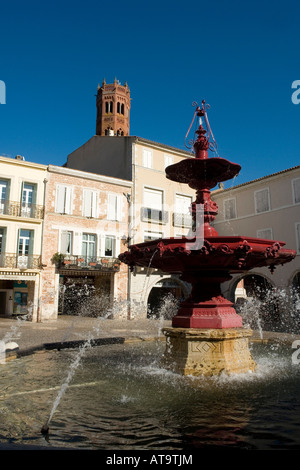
(113, 106)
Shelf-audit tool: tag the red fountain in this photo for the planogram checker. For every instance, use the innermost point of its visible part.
(206, 260)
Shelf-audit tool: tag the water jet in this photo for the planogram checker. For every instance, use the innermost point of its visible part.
(207, 335)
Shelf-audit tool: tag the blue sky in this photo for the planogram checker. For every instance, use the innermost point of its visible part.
(241, 57)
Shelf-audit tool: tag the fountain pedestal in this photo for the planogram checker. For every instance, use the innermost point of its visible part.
(195, 351)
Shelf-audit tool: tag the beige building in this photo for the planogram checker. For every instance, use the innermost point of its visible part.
(268, 207)
(22, 197)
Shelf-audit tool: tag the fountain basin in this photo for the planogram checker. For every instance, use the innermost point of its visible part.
(206, 264)
(232, 254)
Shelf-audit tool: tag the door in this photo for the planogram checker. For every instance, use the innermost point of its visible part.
(89, 247)
(27, 200)
(3, 196)
(20, 304)
(2, 303)
(24, 248)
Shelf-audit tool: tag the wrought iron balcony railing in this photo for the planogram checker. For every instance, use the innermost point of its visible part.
(20, 209)
(90, 263)
(182, 220)
(13, 261)
(154, 215)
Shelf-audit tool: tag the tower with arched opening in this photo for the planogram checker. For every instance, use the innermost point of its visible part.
(113, 108)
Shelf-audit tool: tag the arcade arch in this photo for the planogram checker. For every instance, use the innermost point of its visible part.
(165, 296)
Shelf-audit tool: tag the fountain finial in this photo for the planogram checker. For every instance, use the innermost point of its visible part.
(202, 143)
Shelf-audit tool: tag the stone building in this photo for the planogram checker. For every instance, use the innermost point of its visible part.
(86, 226)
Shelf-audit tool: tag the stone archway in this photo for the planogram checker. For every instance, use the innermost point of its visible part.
(164, 298)
(256, 301)
(296, 282)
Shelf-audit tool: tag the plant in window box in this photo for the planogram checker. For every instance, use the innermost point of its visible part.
(58, 258)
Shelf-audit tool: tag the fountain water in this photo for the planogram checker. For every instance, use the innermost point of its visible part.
(207, 335)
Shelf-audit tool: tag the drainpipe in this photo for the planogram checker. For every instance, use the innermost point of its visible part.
(38, 319)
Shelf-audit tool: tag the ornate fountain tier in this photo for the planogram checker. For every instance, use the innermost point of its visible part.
(206, 335)
(206, 264)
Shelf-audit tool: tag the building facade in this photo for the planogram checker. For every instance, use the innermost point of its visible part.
(22, 198)
(86, 226)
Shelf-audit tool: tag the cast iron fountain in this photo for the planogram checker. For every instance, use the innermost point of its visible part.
(207, 335)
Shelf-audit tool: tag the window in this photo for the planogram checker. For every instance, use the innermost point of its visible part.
(88, 246)
(25, 246)
(182, 215)
(114, 205)
(147, 158)
(120, 108)
(296, 190)
(24, 242)
(89, 203)
(153, 198)
(108, 107)
(168, 160)
(2, 239)
(110, 243)
(63, 199)
(265, 233)
(262, 200)
(28, 199)
(229, 209)
(66, 242)
(2, 246)
(153, 206)
(152, 236)
(298, 236)
(4, 189)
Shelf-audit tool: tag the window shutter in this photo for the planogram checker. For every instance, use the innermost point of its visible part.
(68, 200)
(229, 209)
(265, 233)
(64, 241)
(60, 199)
(94, 204)
(87, 203)
(262, 200)
(118, 208)
(296, 187)
(153, 199)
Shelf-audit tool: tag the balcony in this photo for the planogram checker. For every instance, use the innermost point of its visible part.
(154, 215)
(72, 262)
(182, 220)
(19, 209)
(13, 261)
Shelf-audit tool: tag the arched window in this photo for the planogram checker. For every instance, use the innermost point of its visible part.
(122, 108)
(118, 107)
